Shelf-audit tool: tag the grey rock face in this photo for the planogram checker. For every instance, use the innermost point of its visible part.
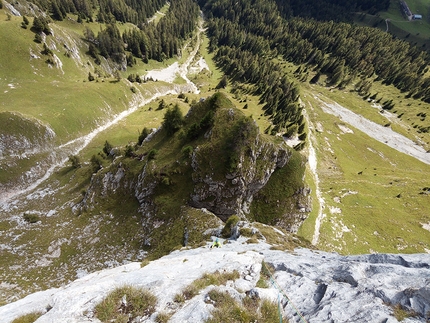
(311, 286)
(233, 193)
(331, 288)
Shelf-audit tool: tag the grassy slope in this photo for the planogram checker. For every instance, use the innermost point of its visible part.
(417, 31)
(363, 212)
(62, 98)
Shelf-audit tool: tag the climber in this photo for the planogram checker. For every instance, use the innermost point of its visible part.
(216, 244)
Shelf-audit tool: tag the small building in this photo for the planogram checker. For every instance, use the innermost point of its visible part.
(417, 17)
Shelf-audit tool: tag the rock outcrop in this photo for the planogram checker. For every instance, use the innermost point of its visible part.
(319, 286)
(232, 191)
(229, 163)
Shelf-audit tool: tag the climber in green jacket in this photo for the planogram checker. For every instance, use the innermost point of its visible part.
(216, 244)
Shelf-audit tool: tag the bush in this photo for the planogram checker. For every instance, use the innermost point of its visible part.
(126, 303)
(227, 309)
(230, 223)
(152, 153)
(129, 151)
(163, 317)
(142, 136)
(31, 218)
(206, 280)
(173, 120)
(96, 163)
(107, 148)
(187, 151)
(75, 161)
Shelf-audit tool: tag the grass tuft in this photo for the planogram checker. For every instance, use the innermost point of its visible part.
(227, 309)
(28, 318)
(126, 303)
(217, 278)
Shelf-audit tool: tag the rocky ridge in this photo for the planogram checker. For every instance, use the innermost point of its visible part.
(320, 286)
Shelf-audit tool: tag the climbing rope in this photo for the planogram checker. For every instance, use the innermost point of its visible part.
(279, 308)
(283, 293)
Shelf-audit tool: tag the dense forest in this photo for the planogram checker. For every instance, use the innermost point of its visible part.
(336, 10)
(148, 41)
(343, 51)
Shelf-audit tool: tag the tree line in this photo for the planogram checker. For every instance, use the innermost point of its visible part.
(152, 41)
(342, 51)
(336, 10)
(107, 11)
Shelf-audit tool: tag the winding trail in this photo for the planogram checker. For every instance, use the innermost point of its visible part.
(61, 153)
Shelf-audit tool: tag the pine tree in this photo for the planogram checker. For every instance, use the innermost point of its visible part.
(173, 120)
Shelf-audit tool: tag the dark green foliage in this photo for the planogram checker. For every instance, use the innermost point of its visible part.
(280, 190)
(31, 218)
(239, 30)
(107, 148)
(162, 40)
(241, 139)
(161, 105)
(187, 151)
(46, 50)
(38, 38)
(142, 136)
(129, 151)
(75, 161)
(24, 22)
(173, 120)
(41, 24)
(222, 83)
(315, 79)
(193, 131)
(303, 136)
(152, 153)
(229, 224)
(58, 11)
(110, 44)
(330, 10)
(96, 163)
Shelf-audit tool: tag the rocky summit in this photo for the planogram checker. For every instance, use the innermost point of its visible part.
(307, 285)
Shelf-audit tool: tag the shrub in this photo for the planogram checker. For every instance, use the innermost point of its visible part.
(230, 223)
(152, 153)
(129, 151)
(107, 148)
(31, 218)
(96, 163)
(173, 120)
(162, 317)
(28, 318)
(75, 161)
(227, 309)
(142, 136)
(125, 304)
(206, 280)
(187, 151)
